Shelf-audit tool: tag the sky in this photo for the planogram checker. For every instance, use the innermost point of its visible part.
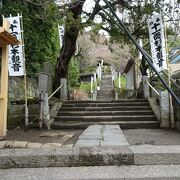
(88, 7)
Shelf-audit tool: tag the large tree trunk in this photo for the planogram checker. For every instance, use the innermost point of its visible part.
(72, 28)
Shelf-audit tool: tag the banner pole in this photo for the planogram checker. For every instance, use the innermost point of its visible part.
(25, 77)
(171, 110)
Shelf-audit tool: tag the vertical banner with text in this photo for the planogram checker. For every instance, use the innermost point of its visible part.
(61, 35)
(157, 42)
(16, 60)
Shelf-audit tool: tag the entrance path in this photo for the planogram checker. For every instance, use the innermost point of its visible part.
(106, 92)
(102, 135)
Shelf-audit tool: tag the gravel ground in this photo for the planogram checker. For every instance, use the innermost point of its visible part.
(152, 136)
(44, 136)
(133, 136)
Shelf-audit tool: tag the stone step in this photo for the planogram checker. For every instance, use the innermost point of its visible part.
(106, 92)
(107, 118)
(114, 108)
(123, 124)
(105, 104)
(112, 101)
(145, 172)
(103, 113)
(103, 93)
(94, 156)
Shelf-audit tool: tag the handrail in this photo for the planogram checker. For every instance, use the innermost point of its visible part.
(148, 58)
(172, 80)
(152, 87)
(55, 91)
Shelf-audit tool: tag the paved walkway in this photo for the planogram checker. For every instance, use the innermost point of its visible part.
(150, 172)
(102, 135)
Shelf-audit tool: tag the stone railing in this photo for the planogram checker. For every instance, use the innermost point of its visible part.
(160, 102)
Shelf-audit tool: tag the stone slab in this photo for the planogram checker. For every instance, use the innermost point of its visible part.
(151, 154)
(102, 135)
(2, 144)
(34, 145)
(19, 144)
(51, 145)
(115, 143)
(160, 172)
(97, 156)
(9, 144)
(90, 156)
(87, 143)
(40, 157)
(64, 157)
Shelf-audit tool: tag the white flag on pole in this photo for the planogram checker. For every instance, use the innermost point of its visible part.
(61, 35)
(157, 42)
(16, 60)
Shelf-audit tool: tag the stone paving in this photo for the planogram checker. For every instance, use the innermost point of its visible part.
(150, 172)
(25, 144)
(6, 144)
(102, 136)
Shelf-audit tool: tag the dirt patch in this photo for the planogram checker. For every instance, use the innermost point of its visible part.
(152, 136)
(44, 136)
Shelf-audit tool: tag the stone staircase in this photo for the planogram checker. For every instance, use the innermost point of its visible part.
(106, 92)
(129, 113)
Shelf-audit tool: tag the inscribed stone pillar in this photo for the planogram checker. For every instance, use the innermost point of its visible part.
(164, 106)
(63, 91)
(43, 82)
(145, 87)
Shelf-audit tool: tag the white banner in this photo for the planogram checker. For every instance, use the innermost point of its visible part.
(157, 42)
(77, 49)
(61, 35)
(141, 44)
(16, 61)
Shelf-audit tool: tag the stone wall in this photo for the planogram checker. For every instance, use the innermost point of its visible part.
(16, 107)
(16, 88)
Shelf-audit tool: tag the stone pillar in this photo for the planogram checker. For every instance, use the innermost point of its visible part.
(44, 110)
(63, 91)
(164, 107)
(145, 87)
(43, 82)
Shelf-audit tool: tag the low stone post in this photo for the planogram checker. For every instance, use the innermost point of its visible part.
(164, 108)
(92, 91)
(44, 110)
(145, 87)
(63, 91)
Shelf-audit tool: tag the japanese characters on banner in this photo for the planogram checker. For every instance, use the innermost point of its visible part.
(61, 35)
(16, 60)
(157, 42)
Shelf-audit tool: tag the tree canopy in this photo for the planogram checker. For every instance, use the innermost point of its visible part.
(40, 18)
(40, 31)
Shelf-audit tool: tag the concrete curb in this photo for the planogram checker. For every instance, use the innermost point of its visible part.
(94, 156)
(154, 155)
(64, 157)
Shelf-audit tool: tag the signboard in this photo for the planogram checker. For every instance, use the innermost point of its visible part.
(61, 35)
(157, 42)
(16, 60)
